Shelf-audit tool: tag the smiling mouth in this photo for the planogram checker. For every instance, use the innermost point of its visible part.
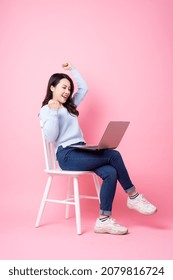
(65, 97)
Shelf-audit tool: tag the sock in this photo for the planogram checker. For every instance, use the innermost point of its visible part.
(134, 195)
(104, 219)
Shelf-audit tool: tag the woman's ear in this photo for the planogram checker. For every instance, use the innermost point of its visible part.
(52, 88)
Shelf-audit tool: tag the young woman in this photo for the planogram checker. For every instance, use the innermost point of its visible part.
(59, 116)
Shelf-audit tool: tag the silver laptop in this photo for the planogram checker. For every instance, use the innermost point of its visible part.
(111, 138)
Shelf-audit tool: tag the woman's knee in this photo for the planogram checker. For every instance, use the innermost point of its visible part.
(116, 154)
(112, 153)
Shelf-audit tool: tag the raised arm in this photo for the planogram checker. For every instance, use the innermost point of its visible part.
(81, 84)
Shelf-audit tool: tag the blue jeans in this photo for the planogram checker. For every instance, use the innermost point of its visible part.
(107, 164)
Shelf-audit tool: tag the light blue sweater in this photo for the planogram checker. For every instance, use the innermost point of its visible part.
(59, 126)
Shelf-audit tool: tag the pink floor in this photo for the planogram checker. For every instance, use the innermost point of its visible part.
(149, 237)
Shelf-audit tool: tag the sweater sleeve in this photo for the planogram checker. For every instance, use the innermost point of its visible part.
(82, 87)
(50, 123)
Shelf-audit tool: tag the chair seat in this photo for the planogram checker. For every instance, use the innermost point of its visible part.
(66, 172)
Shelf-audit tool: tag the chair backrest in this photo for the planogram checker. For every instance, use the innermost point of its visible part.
(49, 152)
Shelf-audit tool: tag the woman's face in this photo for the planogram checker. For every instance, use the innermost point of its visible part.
(61, 91)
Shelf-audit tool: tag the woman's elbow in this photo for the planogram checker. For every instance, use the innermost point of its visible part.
(86, 88)
(50, 137)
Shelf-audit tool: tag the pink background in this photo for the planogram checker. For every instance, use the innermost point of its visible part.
(124, 49)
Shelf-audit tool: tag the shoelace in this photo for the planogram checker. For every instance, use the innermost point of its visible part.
(143, 199)
(145, 202)
(113, 221)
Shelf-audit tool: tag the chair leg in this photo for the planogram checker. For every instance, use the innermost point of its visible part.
(68, 196)
(97, 185)
(77, 205)
(43, 201)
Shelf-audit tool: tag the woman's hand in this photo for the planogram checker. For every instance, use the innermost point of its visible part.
(53, 104)
(67, 66)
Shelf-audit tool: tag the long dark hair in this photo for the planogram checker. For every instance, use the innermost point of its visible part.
(53, 81)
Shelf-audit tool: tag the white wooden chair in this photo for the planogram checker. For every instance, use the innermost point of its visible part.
(73, 197)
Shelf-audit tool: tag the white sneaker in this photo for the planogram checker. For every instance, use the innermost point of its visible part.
(109, 226)
(142, 205)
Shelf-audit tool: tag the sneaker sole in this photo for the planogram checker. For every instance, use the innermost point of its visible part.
(110, 232)
(141, 212)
